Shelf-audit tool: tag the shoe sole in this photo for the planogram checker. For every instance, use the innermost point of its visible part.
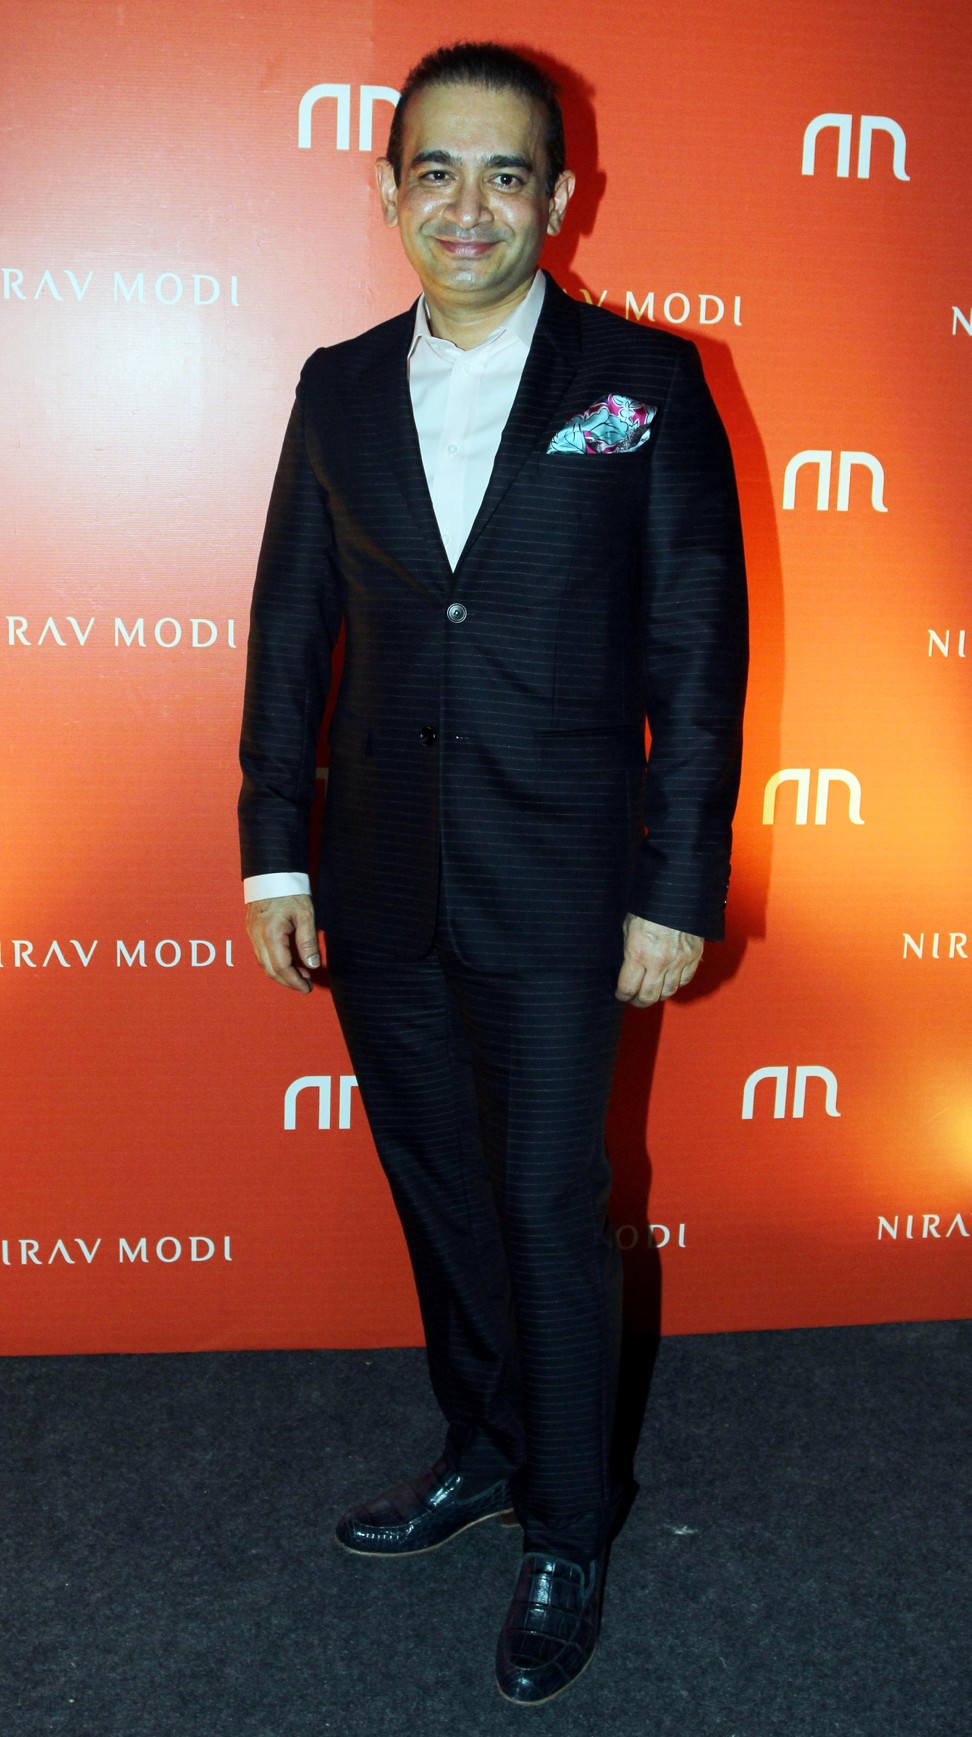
(546, 1699)
(426, 1549)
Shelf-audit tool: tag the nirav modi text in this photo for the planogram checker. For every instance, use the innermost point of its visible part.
(28, 1251)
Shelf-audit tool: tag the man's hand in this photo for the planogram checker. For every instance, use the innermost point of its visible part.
(657, 961)
(285, 939)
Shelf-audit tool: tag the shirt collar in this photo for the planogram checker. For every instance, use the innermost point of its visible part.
(520, 326)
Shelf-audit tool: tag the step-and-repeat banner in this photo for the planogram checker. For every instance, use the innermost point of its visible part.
(189, 213)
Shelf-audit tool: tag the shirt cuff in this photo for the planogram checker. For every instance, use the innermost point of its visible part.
(276, 886)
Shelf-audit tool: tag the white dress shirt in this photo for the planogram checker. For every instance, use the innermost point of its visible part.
(461, 400)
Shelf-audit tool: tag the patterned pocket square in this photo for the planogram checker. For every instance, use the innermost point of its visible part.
(613, 424)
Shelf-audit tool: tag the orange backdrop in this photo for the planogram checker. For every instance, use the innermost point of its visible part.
(788, 184)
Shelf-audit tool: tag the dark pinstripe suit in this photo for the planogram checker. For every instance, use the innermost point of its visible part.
(489, 822)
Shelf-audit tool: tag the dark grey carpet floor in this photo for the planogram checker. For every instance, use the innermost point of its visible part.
(796, 1562)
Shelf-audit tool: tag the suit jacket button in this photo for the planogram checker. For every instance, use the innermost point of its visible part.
(428, 735)
(456, 612)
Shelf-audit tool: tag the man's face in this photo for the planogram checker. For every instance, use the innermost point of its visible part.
(472, 206)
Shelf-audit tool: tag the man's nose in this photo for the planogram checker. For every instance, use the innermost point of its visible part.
(468, 208)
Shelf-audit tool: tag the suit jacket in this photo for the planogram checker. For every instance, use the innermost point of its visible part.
(506, 748)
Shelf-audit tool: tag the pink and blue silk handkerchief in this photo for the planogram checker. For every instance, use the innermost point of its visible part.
(613, 424)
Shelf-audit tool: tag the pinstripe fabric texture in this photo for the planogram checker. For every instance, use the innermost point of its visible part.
(489, 821)
(504, 748)
(486, 1095)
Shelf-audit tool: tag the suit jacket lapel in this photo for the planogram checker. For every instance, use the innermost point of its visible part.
(388, 387)
(550, 366)
(547, 374)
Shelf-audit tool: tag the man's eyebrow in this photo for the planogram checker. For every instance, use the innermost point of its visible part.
(432, 157)
(503, 160)
(498, 160)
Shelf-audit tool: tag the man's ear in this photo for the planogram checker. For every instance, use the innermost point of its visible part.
(387, 191)
(558, 201)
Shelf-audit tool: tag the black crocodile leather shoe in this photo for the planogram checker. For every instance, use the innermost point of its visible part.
(420, 1515)
(551, 1629)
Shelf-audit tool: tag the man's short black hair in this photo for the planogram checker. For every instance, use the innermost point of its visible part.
(495, 67)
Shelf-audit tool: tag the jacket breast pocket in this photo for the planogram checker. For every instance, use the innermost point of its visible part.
(636, 455)
(603, 465)
(601, 493)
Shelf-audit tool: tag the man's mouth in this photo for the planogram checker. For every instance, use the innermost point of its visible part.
(464, 249)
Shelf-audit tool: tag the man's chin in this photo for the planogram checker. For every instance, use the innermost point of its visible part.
(467, 273)
(461, 271)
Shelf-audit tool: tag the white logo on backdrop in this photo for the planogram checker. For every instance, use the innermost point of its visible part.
(800, 776)
(780, 1077)
(843, 126)
(942, 642)
(631, 1236)
(677, 307)
(200, 289)
(340, 95)
(931, 1223)
(824, 461)
(942, 944)
(27, 1251)
(196, 633)
(21, 955)
(321, 1084)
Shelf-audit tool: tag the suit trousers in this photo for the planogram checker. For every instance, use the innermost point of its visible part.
(486, 1095)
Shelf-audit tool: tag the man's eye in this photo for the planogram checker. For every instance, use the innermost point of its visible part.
(509, 180)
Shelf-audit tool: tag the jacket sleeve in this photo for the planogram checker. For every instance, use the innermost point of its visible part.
(295, 619)
(695, 654)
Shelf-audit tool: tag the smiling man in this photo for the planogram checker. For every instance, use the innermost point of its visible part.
(472, 218)
(522, 510)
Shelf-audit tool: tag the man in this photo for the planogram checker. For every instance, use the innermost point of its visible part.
(523, 511)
